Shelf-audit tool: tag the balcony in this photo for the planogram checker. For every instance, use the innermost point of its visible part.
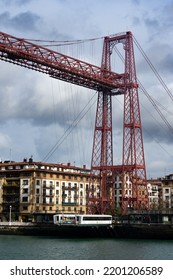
(70, 188)
(48, 186)
(10, 184)
(11, 201)
(64, 194)
(48, 194)
(68, 203)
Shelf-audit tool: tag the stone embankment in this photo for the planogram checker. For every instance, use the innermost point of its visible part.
(132, 231)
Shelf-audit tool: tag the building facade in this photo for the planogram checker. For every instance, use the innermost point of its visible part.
(35, 191)
(128, 192)
(167, 192)
(154, 187)
(155, 193)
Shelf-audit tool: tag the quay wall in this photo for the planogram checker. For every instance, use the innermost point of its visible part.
(128, 231)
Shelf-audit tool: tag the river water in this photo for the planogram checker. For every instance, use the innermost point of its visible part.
(13, 247)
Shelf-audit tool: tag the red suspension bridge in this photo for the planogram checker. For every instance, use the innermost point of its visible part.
(108, 84)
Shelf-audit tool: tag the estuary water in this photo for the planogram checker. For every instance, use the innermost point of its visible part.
(14, 247)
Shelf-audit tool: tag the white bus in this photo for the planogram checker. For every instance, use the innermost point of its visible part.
(83, 220)
(64, 219)
(94, 220)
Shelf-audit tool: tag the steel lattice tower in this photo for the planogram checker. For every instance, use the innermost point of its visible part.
(133, 150)
(133, 163)
(102, 155)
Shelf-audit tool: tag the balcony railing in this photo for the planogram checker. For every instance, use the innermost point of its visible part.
(68, 203)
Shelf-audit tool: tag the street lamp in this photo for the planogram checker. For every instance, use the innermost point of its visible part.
(10, 216)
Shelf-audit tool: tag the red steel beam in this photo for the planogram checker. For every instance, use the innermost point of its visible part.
(59, 66)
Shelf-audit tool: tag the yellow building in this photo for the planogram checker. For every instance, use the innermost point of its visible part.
(35, 190)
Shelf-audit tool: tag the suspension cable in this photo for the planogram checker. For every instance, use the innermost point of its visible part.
(75, 122)
(153, 68)
(56, 43)
(149, 97)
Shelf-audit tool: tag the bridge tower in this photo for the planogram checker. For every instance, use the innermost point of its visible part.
(133, 162)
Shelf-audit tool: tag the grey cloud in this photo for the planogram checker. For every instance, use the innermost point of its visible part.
(15, 2)
(136, 21)
(154, 129)
(161, 57)
(136, 2)
(24, 99)
(25, 21)
(152, 23)
(166, 63)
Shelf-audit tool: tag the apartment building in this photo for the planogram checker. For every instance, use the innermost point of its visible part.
(167, 191)
(153, 186)
(35, 190)
(155, 193)
(161, 196)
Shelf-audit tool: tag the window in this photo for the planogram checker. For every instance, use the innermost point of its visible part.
(10, 167)
(38, 182)
(37, 191)
(57, 184)
(37, 199)
(25, 191)
(166, 190)
(24, 199)
(25, 182)
(51, 184)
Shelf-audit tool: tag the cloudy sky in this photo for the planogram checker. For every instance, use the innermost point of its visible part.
(37, 113)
